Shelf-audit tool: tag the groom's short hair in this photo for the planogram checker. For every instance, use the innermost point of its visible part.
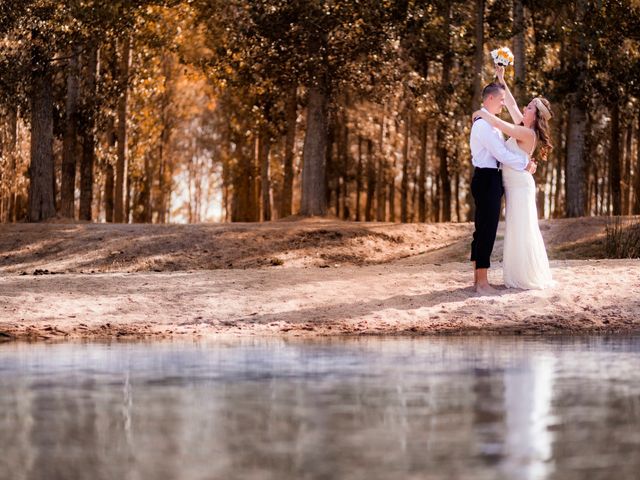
(491, 89)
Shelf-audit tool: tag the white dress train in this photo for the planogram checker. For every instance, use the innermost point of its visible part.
(525, 264)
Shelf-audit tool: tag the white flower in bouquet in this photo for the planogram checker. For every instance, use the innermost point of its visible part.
(502, 56)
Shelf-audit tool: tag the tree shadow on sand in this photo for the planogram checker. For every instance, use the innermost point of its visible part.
(326, 315)
(80, 247)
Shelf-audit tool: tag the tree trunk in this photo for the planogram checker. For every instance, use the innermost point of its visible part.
(4, 173)
(41, 169)
(345, 162)
(290, 137)
(226, 170)
(560, 159)
(541, 185)
(549, 198)
(127, 197)
(108, 193)
(636, 183)
(98, 202)
(145, 193)
(109, 175)
(314, 198)
(333, 163)
(381, 192)
(70, 137)
(422, 178)
(626, 181)
(442, 124)
(478, 63)
(595, 189)
(576, 172)
(562, 133)
(255, 185)
(88, 140)
(392, 183)
(12, 122)
(614, 159)
(576, 167)
(165, 154)
(162, 173)
(404, 186)
(265, 185)
(121, 164)
(346, 205)
(371, 182)
(635, 204)
(607, 190)
(445, 179)
(436, 199)
(519, 53)
(414, 193)
(359, 179)
(457, 194)
(478, 56)
(243, 178)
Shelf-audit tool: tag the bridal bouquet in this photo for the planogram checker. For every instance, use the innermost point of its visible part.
(502, 56)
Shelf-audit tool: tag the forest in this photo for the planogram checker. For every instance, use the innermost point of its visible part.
(168, 111)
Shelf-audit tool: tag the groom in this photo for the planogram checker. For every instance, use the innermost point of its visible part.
(488, 152)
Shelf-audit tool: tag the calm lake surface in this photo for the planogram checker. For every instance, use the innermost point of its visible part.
(372, 408)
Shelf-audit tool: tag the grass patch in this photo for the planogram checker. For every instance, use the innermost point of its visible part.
(622, 238)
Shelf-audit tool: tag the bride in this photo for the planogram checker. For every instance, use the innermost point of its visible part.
(525, 262)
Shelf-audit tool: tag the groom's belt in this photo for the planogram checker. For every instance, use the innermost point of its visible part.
(489, 168)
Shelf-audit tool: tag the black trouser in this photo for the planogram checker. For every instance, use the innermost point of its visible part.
(487, 190)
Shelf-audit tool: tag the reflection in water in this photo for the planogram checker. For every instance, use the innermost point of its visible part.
(467, 408)
(528, 410)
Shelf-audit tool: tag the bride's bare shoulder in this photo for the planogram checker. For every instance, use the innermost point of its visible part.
(528, 143)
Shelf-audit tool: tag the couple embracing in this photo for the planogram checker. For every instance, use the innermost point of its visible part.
(508, 167)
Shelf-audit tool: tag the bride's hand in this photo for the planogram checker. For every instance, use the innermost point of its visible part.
(500, 73)
(531, 167)
(477, 114)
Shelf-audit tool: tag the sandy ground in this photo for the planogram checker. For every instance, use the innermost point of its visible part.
(312, 277)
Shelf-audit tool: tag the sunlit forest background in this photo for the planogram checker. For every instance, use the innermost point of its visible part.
(151, 111)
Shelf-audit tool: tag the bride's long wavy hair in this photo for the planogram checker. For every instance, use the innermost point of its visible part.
(542, 129)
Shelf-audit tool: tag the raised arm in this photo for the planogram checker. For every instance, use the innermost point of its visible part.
(521, 133)
(509, 101)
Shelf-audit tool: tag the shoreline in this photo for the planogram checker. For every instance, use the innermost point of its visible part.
(592, 297)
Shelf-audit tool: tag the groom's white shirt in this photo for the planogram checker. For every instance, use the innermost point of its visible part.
(488, 148)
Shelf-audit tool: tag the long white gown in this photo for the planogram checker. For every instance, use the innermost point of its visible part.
(525, 262)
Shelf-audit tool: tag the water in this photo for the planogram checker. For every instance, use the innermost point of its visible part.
(394, 408)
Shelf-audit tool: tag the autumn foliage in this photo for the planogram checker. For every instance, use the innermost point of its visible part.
(162, 111)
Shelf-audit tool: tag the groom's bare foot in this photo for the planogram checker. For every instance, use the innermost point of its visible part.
(485, 289)
(482, 282)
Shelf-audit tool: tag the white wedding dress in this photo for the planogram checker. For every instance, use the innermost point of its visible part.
(525, 263)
